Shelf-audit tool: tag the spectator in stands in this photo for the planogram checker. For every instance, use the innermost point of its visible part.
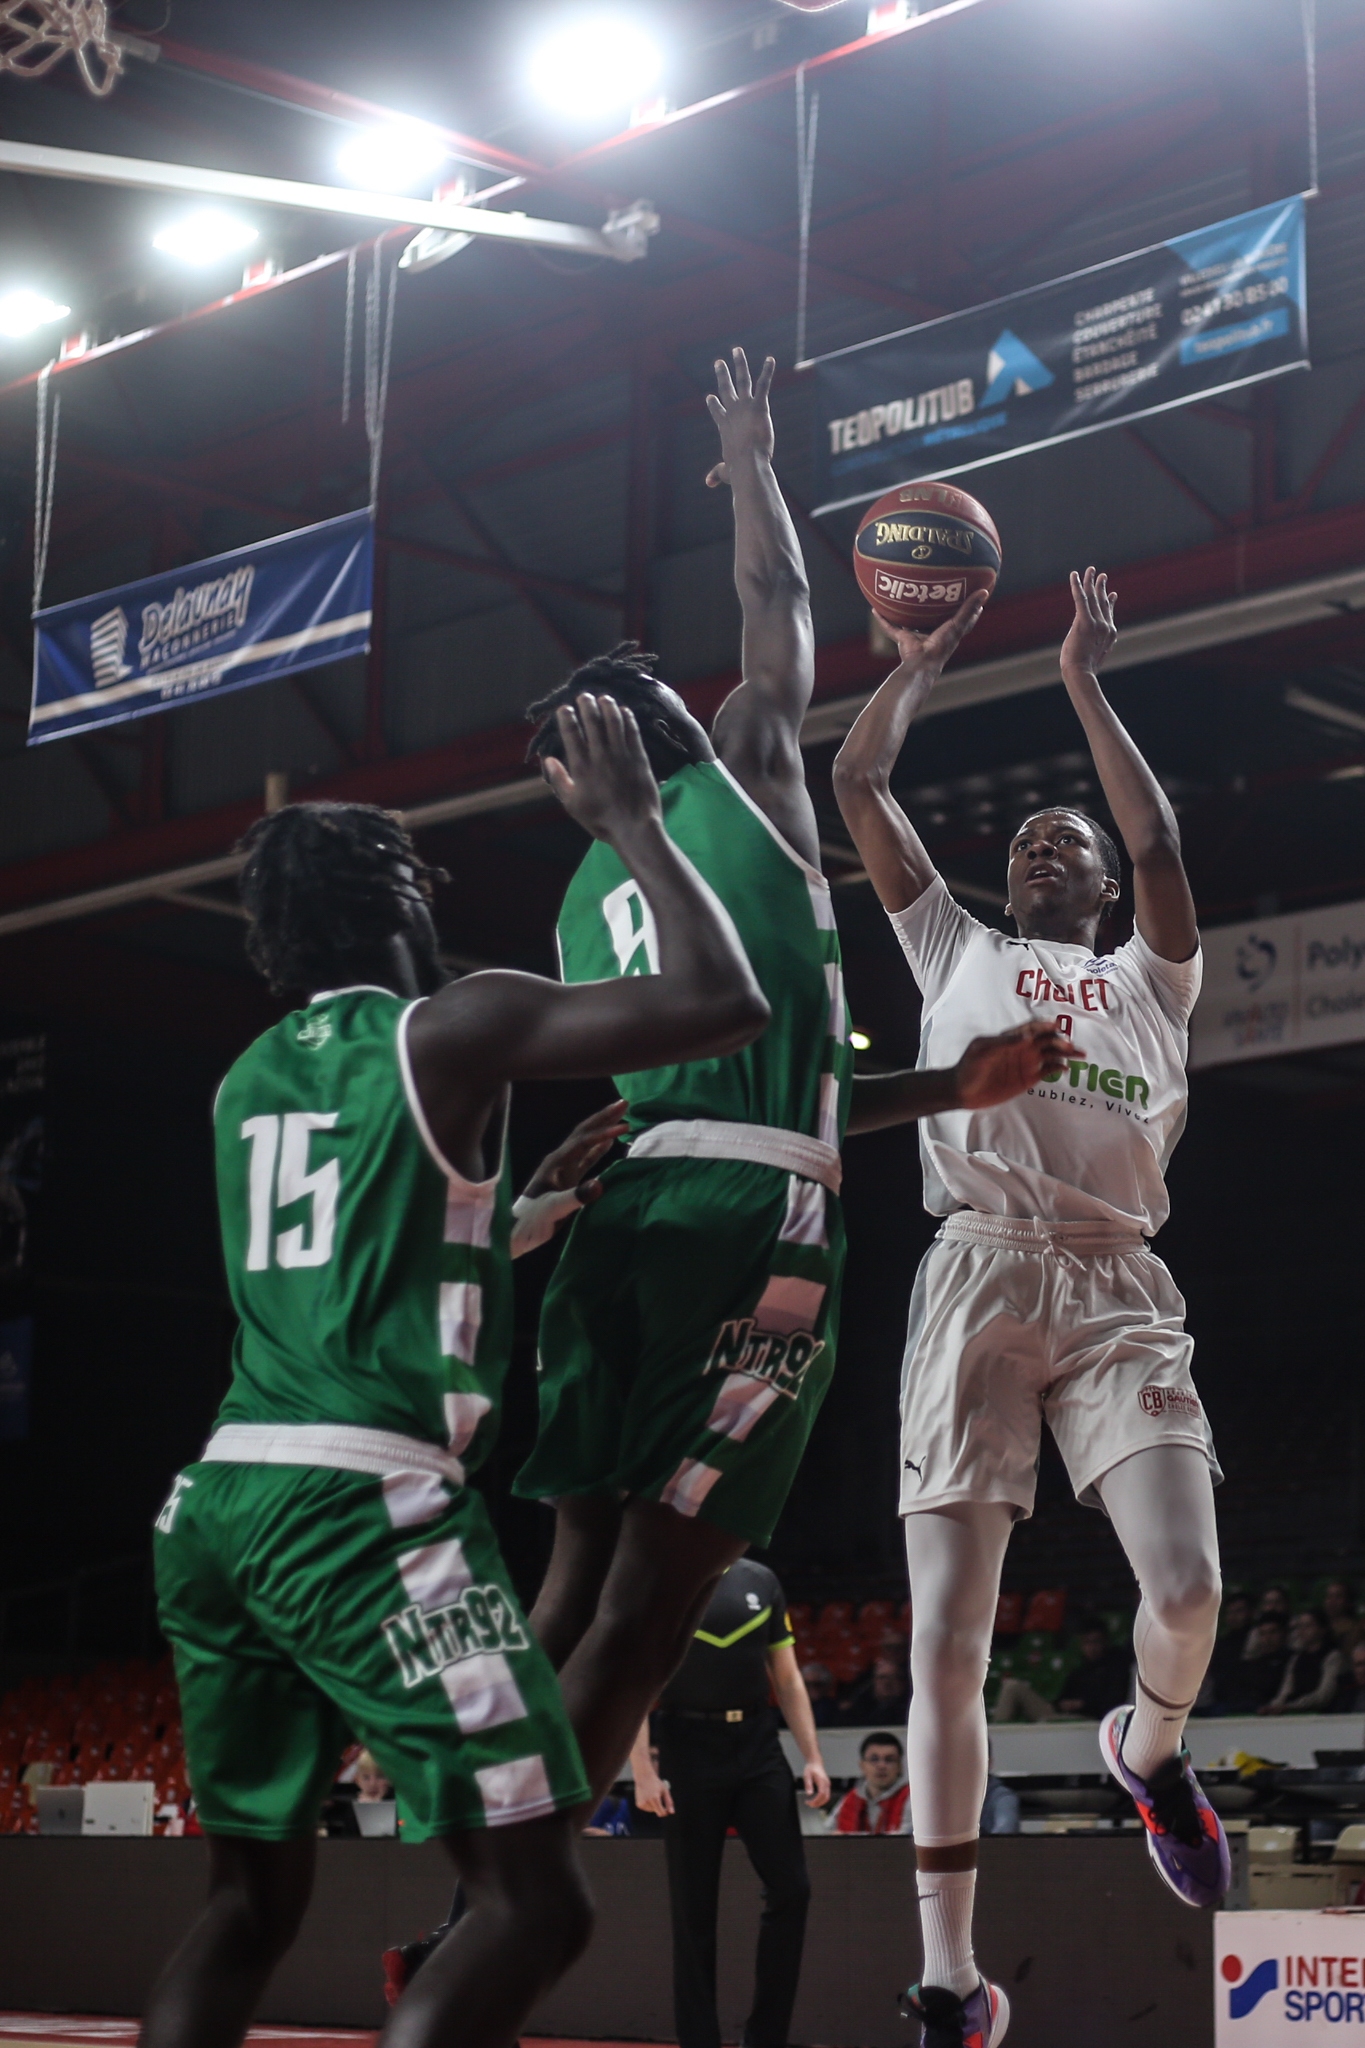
(824, 1706)
(1000, 1808)
(370, 1782)
(1338, 1604)
(879, 1804)
(1229, 1652)
(884, 1695)
(1254, 1681)
(1099, 1680)
(1314, 1671)
(1353, 1692)
(1274, 1600)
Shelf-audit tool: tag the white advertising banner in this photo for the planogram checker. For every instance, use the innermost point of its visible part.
(1282, 1978)
(1281, 984)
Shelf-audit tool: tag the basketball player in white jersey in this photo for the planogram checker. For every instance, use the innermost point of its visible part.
(1040, 1297)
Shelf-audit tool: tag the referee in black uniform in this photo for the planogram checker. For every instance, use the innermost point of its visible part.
(721, 1766)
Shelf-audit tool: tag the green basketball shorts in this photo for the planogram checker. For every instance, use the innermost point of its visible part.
(310, 1607)
(687, 1340)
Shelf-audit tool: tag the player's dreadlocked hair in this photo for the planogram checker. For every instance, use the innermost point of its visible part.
(627, 674)
(320, 882)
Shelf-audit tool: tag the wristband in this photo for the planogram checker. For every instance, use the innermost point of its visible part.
(535, 1218)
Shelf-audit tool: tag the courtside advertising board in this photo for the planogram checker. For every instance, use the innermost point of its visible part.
(1162, 327)
(1284, 1978)
(1281, 984)
(247, 617)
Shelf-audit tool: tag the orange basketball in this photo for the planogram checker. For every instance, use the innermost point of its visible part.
(921, 550)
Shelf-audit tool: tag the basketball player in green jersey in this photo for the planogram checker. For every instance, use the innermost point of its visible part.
(688, 1333)
(324, 1570)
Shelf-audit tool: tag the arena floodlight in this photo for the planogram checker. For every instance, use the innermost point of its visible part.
(22, 311)
(205, 238)
(599, 64)
(860, 1041)
(394, 156)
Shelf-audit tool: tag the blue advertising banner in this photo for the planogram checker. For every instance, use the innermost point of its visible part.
(16, 1375)
(246, 617)
(1170, 324)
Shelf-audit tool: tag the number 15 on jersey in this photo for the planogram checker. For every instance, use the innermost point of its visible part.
(278, 1177)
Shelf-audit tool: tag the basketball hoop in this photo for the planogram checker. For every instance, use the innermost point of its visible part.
(36, 34)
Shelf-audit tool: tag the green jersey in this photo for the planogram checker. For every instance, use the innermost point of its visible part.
(372, 1282)
(796, 1076)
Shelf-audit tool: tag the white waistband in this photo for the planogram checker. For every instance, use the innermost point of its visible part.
(335, 1444)
(705, 1138)
(1031, 1234)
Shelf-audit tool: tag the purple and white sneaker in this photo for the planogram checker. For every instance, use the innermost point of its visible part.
(1185, 1838)
(947, 2021)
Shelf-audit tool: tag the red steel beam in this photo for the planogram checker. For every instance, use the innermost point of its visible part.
(1235, 564)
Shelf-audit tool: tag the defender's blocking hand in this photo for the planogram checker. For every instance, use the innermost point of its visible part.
(604, 782)
(739, 407)
(996, 1069)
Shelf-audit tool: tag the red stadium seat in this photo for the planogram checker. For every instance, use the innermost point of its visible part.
(1009, 1614)
(1046, 1610)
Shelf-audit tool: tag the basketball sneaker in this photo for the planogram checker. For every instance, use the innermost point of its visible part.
(402, 1964)
(947, 2021)
(1185, 1838)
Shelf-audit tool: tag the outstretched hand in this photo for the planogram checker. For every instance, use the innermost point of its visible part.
(929, 653)
(739, 407)
(605, 781)
(994, 1070)
(1093, 632)
(566, 1169)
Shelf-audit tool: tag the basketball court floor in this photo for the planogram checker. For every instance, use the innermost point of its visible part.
(82, 2030)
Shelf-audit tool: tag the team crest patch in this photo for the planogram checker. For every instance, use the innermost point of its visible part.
(314, 1032)
(1170, 1401)
(781, 1361)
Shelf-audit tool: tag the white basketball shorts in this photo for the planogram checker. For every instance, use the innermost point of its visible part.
(1013, 1321)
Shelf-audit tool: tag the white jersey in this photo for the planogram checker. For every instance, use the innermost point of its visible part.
(1094, 1143)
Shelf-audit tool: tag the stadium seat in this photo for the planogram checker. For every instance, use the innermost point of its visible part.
(1046, 1610)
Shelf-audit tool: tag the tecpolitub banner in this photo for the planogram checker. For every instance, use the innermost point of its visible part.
(247, 617)
(1172, 323)
(1281, 984)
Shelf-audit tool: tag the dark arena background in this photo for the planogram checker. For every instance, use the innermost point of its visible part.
(538, 496)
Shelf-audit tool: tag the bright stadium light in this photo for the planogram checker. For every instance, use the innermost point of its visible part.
(205, 238)
(392, 157)
(860, 1041)
(22, 311)
(596, 65)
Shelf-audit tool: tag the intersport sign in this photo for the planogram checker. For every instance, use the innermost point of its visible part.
(1284, 1978)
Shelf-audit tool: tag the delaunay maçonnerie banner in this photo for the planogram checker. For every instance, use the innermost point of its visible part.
(1176, 322)
(1282, 1978)
(1281, 984)
(247, 617)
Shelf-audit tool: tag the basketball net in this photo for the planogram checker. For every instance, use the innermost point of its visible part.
(36, 34)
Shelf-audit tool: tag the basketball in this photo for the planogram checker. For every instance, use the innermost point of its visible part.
(921, 550)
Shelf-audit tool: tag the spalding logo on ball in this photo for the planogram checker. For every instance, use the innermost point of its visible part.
(922, 550)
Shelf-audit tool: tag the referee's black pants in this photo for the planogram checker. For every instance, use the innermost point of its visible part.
(725, 1775)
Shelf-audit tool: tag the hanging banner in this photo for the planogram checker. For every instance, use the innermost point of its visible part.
(1281, 984)
(1173, 323)
(23, 1069)
(246, 617)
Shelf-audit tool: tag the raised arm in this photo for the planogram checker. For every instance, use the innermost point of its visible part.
(479, 1033)
(890, 848)
(991, 1070)
(1162, 900)
(757, 731)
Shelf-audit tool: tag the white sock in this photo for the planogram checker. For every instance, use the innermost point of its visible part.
(1153, 1734)
(946, 1898)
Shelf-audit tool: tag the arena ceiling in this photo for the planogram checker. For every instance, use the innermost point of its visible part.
(546, 443)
